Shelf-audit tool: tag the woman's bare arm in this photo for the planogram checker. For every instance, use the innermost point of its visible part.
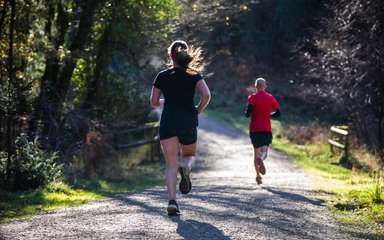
(155, 97)
(203, 89)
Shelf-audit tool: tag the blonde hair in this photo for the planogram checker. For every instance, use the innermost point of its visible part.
(187, 57)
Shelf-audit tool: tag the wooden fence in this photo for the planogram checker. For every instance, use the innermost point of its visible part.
(139, 136)
(339, 139)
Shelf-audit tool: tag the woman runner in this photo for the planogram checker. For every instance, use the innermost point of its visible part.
(179, 120)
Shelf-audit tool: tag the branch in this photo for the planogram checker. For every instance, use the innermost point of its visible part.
(3, 13)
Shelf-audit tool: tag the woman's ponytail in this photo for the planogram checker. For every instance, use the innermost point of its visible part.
(188, 58)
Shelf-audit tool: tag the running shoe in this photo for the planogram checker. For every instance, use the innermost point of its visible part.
(258, 180)
(261, 165)
(173, 208)
(185, 185)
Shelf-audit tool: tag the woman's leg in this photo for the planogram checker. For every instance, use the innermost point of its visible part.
(170, 148)
(188, 154)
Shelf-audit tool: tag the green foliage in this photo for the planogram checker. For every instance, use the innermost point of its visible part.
(124, 95)
(376, 193)
(31, 166)
(111, 76)
(81, 74)
(57, 65)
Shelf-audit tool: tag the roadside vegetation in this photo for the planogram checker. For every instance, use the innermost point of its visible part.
(354, 192)
(72, 190)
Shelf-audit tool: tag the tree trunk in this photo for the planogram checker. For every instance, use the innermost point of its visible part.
(62, 86)
(10, 83)
(41, 106)
(101, 64)
(103, 59)
(48, 86)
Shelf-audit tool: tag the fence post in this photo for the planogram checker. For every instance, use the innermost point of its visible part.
(346, 152)
(115, 140)
(330, 145)
(152, 151)
(339, 142)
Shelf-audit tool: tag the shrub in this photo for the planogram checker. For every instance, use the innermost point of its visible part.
(377, 190)
(305, 134)
(31, 166)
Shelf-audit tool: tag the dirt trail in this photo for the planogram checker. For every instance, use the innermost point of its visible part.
(225, 202)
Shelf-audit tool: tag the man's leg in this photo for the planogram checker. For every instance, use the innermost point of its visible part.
(263, 152)
(256, 156)
(259, 164)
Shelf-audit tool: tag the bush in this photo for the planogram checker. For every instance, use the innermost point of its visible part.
(377, 189)
(305, 134)
(31, 167)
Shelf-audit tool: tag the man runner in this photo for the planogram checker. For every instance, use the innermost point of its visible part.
(261, 107)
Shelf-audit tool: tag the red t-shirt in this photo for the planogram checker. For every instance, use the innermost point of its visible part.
(263, 104)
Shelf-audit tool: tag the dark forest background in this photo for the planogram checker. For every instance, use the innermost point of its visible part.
(73, 70)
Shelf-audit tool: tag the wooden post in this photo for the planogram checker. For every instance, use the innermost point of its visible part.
(152, 151)
(339, 142)
(115, 140)
(346, 148)
(331, 146)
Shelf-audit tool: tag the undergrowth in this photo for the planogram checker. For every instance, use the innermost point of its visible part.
(74, 190)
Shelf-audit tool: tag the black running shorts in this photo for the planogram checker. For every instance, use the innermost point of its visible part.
(260, 139)
(186, 135)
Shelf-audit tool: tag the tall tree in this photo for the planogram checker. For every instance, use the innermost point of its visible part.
(61, 62)
(10, 82)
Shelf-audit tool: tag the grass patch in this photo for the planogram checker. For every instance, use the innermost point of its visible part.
(355, 197)
(73, 191)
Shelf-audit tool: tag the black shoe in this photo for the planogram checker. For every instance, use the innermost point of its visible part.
(173, 208)
(258, 180)
(185, 185)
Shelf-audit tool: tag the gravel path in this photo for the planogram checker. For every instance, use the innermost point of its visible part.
(225, 202)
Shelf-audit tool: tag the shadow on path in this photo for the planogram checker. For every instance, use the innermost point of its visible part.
(192, 229)
(278, 212)
(159, 210)
(294, 196)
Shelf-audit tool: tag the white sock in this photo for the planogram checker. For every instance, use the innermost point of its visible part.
(263, 155)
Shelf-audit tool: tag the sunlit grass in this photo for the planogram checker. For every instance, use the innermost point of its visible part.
(56, 195)
(73, 191)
